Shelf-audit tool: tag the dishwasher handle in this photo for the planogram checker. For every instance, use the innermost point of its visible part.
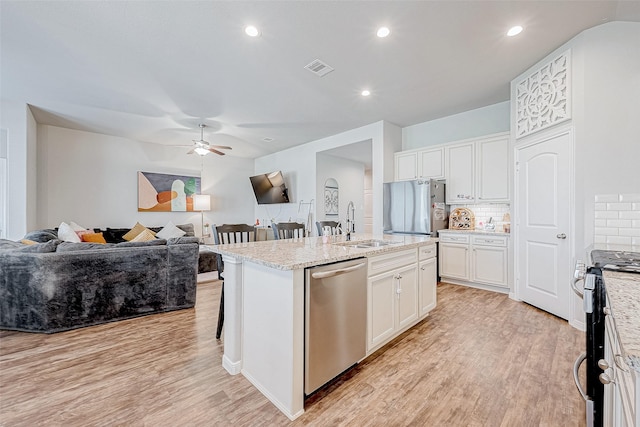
(331, 273)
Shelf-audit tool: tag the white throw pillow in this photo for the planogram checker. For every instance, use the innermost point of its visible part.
(169, 231)
(66, 233)
(76, 227)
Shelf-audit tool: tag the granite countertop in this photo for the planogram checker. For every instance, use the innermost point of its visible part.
(293, 254)
(483, 232)
(623, 291)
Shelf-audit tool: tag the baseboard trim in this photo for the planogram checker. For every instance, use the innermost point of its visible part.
(233, 368)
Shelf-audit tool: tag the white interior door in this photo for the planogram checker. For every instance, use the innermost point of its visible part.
(543, 206)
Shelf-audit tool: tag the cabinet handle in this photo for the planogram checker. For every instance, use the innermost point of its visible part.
(422, 268)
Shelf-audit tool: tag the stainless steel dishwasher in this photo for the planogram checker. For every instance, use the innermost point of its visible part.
(335, 320)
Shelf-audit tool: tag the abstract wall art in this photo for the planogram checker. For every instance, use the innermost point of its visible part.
(331, 197)
(159, 192)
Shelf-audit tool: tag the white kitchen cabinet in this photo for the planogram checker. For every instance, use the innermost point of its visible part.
(489, 260)
(406, 165)
(476, 170)
(454, 256)
(392, 296)
(478, 260)
(460, 173)
(431, 163)
(492, 164)
(622, 393)
(427, 280)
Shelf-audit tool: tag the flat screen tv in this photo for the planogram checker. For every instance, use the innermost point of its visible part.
(269, 188)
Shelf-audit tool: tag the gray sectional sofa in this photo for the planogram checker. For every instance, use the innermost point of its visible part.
(54, 286)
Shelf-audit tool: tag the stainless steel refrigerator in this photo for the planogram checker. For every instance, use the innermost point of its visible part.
(415, 207)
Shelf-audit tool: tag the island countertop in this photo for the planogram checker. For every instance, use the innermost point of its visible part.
(623, 291)
(293, 254)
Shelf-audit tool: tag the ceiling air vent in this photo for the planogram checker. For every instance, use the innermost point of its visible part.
(319, 68)
(267, 139)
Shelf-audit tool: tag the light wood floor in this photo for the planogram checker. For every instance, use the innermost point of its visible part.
(479, 359)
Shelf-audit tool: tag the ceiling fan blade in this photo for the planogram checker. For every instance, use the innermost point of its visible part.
(191, 151)
(222, 147)
(213, 150)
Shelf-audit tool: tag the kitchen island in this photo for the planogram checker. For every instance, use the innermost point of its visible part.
(264, 305)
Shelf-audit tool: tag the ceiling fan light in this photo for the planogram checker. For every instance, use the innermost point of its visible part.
(201, 151)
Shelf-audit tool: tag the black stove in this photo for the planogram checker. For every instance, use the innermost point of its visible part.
(593, 293)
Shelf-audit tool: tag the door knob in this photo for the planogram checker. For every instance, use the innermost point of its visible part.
(561, 236)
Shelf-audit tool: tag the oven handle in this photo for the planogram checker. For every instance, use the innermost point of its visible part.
(576, 289)
(576, 365)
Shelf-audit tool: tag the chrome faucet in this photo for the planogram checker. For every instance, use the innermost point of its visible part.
(351, 226)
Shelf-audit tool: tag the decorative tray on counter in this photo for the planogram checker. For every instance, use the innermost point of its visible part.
(462, 219)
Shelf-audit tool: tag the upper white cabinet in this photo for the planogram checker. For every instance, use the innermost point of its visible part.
(492, 177)
(459, 173)
(476, 170)
(428, 164)
(406, 166)
(431, 163)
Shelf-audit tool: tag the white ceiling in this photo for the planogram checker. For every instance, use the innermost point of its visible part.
(152, 70)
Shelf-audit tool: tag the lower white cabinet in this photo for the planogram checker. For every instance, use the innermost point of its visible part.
(427, 280)
(622, 382)
(454, 256)
(475, 259)
(489, 260)
(399, 293)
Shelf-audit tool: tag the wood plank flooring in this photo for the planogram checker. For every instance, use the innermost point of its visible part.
(479, 359)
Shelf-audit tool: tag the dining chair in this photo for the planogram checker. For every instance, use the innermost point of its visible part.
(287, 230)
(229, 233)
(336, 228)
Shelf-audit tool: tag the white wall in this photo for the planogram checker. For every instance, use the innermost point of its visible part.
(298, 165)
(92, 179)
(350, 177)
(20, 126)
(469, 124)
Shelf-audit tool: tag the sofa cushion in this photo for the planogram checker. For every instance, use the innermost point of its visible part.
(68, 234)
(137, 229)
(93, 238)
(72, 247)
(11, 246)
(155, 242)
(41, 236)
(145, 236)
(114, 235)
(183, 239)
(170, 230)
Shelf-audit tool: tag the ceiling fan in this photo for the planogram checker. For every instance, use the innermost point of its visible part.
(202, 147)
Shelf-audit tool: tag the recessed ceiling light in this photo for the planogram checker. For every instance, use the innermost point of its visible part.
(514, 31)
(365, 92)
(383, 32)
(251, 31)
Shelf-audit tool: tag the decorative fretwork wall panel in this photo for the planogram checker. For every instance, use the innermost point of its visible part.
(543, 98)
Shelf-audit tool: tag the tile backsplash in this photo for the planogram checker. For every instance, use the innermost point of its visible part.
(485, 211)
(617, 219)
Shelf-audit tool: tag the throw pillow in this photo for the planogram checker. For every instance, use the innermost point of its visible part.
(137, 229)
(144, 236)
(66, 233)
(41, 236)
(170, 230)
(76, 227)
(93, 238)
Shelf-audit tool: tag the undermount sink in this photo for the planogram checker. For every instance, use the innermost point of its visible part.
(366, 244)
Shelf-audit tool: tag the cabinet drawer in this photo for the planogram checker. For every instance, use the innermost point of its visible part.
(454, 238)
(386, 262)
(489, 240)
(426, 252)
